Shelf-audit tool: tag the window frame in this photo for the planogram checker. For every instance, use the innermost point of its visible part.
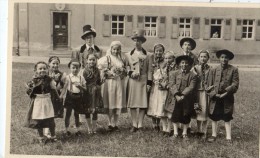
(185, 24)
(247, 25)
(118, 22)
(150, 23)
(216, 24)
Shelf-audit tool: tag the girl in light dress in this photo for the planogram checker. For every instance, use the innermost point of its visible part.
(113, 73)
(202, 104)
(158, 94)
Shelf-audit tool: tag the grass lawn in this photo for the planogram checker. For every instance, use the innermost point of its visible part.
(245, 129)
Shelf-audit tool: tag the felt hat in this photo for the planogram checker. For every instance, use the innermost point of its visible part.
(224, 51)
(74, 61)
(192, 42)
(184, 57)
(87, 30)
(139, 34)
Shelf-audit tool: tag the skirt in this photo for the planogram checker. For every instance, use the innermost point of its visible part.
(203, 104)
(137, 93)
(156, 102)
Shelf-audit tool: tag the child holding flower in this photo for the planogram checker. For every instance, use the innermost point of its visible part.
(113, 73)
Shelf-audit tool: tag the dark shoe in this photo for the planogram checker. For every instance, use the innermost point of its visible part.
(68, 133)
(199, 135)
(78, 133)
(185, 137)
(140, 129)
(174, 137)
(53, 139)
(190, 131)
(116, 129)
(229, 141)
(157, 128)
(43, 140)
(110, 128)
(133, 129)
(212, 139)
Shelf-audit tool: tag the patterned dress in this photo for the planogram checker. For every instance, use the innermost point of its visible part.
(92, 97)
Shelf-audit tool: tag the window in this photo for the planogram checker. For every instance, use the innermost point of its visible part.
(150, 26)
(247, 29)
(118, 24)
(215, 28)
(185, 27)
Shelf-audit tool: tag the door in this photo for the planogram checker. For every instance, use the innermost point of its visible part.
(60, 30)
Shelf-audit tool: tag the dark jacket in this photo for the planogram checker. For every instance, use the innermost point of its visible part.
(231, 84)
(181, 84)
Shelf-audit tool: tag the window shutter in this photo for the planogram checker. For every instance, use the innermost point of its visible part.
(206, 29)
(162, 27)
(238, 34)
(227, 29)
(129, 25)
(175, 28)
(140, 22)
(196, 28)
(257, 30)
(106, 26)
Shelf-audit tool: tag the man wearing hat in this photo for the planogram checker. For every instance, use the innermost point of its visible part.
(180, 102)
(223, 83)
(188, 44)
(88, 36)
(140, 79)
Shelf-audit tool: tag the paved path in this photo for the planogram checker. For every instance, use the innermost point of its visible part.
(34, 59)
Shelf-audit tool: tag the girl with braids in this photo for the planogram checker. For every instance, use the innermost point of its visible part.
(113, 73)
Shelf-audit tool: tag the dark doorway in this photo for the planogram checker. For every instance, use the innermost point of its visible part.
(60, 30)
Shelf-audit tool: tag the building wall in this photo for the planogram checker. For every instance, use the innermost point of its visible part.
(33, 31)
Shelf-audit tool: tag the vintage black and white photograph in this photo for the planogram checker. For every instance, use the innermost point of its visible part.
(134, 79)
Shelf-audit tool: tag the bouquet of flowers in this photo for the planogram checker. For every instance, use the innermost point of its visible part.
(55, 76)
(119, 71)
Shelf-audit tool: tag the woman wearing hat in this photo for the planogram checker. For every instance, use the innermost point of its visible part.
(223, 82)
(187, 45)
(140, 79)
(182, 84)
(88, 36)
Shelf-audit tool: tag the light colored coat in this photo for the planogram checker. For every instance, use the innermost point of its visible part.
(136, 90)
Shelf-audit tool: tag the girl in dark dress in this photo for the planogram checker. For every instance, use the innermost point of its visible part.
(92, 97)
(41, 111)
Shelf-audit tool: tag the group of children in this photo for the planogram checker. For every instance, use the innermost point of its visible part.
(171, 89)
